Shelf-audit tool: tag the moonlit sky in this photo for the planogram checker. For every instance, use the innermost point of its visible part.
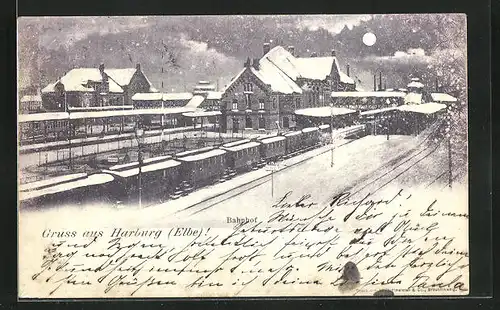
(204, 47)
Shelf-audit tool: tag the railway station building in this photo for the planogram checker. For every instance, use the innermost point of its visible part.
(87, 89)
(266, 92)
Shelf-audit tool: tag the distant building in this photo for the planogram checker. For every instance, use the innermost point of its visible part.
(95, 88)
(182, 108)
(267, 91)
(30, 104)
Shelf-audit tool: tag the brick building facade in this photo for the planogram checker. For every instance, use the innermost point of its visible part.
(267, 91)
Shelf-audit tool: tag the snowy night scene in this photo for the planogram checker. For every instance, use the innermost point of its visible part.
(222, 156)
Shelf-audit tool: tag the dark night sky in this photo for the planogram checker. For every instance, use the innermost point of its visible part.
(215, 47)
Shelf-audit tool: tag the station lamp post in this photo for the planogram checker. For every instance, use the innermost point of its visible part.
(139, 135)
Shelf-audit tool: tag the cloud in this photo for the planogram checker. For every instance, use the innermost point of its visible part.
(416, 56)
(333, 23)
(200, 50)
(54, 32)
(412, 56)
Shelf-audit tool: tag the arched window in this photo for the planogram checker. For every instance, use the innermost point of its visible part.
(235, 104)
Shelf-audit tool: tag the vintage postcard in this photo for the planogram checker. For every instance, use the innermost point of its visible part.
(243, 156)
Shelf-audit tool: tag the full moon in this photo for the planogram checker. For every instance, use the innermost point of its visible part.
(369, 39)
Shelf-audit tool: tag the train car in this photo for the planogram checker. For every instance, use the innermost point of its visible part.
(355, 131)
(293, 142)
(311, 136)
(324, 128)
(203, 167)
(273, 148)
(242, 156)
(71, 190)
(192, 152)
(159, 177)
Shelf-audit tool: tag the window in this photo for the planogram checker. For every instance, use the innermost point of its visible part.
(297, 103)
(247, 101)
(274, 103)
(261, 104)
(248, 87)
(235, 104)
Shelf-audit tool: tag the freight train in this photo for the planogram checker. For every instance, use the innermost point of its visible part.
(169, 177)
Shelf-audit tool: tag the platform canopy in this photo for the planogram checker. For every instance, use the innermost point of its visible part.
(324, 111)
(202, 113)
(425, 108)
(378, 111)
(442, 97)
(368, 94)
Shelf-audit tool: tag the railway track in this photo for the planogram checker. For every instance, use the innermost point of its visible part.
(396, 167)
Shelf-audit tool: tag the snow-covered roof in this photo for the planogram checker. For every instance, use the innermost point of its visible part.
(362, 94)
(177, 96)
(323, 111)
(376, 111)
(293, 133)
(202, 113)
(415, 84)
(203, 149)
(101, 114)
(233, 80)
(31, 98)
(104, 108)
(148, 96)
(214, 95)
(425, 108)
(279, 69)
(76, 79)
(442, 97)
(242, 146)
(271, 75)
(344, 78)
(121, 76)
(166, 164)
(94, 179)
(51, 181)
(324, 126)
(195, 101)
(42, 116)
(413, 98)
(204, 155)
(234, 143)
(135, 163)
(309, 129)
(314, 68)
(273, 139)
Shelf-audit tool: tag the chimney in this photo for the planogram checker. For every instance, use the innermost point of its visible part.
(334, 54)
(247, 63)
(437, 85)
(291, 49)
(101, 68)
(380, 80)
(314, 54)
(375, 82)
(348, 70)
(138, 67)
(256, 64)
(266, 48)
